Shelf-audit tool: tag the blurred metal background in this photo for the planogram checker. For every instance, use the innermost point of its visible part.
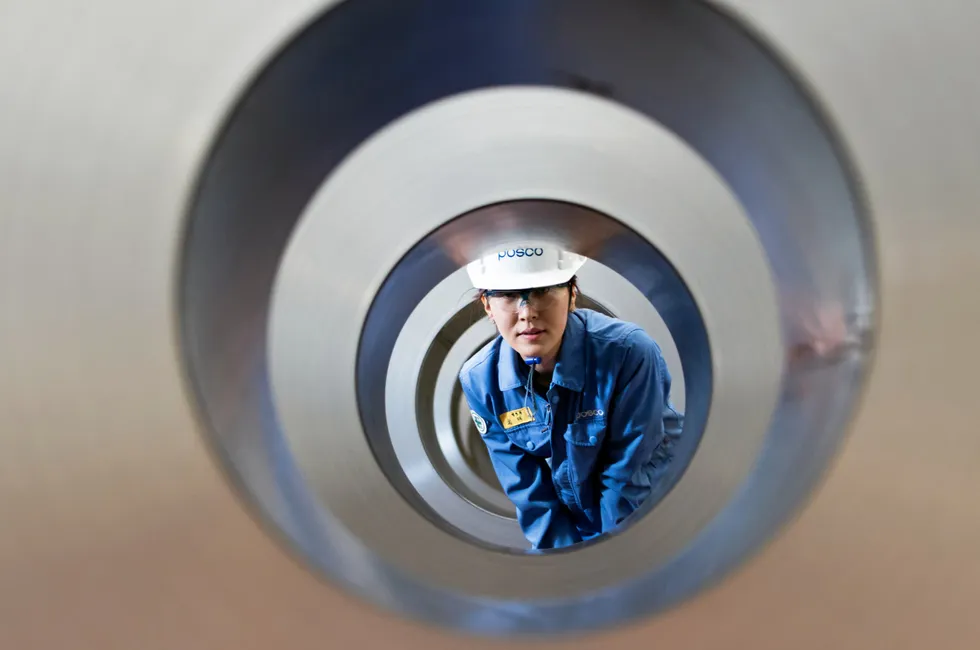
(117, 529)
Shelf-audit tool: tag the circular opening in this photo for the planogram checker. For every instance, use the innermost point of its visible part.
(424, 291)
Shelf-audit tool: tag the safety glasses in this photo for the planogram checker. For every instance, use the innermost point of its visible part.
(514, 300)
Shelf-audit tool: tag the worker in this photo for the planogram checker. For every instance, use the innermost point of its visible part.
(572, 405)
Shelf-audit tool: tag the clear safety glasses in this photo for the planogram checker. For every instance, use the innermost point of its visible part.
(539, 298)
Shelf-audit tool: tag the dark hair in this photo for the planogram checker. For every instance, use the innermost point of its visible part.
(572, 285)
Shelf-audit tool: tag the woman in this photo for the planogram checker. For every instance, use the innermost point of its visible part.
(572, 405)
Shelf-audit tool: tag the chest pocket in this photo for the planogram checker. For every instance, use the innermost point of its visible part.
(530, 438)
(583, 442)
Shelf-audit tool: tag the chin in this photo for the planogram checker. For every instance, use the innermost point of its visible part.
(536, 349)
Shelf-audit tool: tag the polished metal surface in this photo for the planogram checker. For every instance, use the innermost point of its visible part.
(119, 528)
(507, 144)
(516, 133)
(453, 425)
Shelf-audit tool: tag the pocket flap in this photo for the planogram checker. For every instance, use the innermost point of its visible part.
(586, 434)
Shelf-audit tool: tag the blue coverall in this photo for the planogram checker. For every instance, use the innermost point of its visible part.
(594, 446)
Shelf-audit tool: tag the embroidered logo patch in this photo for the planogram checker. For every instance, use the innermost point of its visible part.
(583, 415)
(481, 424)
(511, 419)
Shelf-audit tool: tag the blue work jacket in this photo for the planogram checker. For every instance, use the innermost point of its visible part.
(594, 446)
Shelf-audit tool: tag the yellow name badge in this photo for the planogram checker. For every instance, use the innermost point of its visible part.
(511, 419)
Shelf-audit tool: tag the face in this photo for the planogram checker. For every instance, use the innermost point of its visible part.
(533, 326)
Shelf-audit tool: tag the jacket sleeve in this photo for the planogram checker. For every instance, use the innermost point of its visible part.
(526, 479)
(643, 424)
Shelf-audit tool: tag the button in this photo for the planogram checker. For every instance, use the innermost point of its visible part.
(592, 440)
(554, 399)
(530, 445)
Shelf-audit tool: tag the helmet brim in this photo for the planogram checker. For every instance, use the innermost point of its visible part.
(510, 282)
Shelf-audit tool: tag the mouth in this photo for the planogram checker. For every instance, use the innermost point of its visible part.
(531, 331)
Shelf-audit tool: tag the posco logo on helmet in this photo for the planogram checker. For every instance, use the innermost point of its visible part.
(520, 252)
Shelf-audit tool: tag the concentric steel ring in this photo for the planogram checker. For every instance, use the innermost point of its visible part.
(156, 156)
(482, 148)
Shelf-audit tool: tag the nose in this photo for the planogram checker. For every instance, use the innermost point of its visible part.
(526, 310)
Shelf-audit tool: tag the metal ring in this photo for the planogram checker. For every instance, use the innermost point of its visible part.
(452, 422)
(514, 132)
(706, 79)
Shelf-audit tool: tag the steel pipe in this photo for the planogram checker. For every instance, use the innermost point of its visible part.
(177, 182)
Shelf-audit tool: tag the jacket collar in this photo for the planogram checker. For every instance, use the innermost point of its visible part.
(569, 371)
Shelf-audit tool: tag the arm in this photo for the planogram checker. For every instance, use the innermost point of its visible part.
(526, 479)
(641, 419)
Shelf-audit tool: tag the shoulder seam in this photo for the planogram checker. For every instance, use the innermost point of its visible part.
(621, 336)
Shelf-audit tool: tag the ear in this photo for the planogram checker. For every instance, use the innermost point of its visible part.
(571, 299)
(486, 307)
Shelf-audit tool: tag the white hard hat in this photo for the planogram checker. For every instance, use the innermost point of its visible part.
(524, 266)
